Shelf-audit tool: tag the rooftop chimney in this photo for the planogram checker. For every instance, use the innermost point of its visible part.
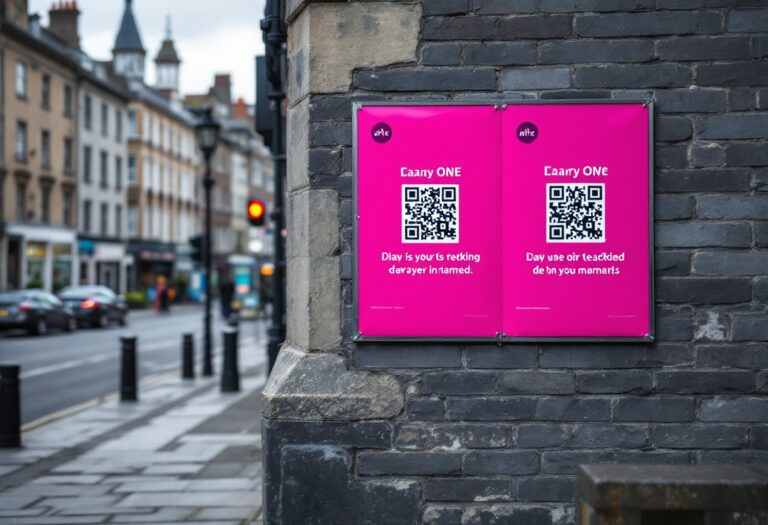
(222, 90)
(63, 22)
(240, 109)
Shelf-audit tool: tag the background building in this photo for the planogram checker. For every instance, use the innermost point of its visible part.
(242, 170)
(102, 154)
(102, 193)
(163, 180)
(100, 177)
(38, 158)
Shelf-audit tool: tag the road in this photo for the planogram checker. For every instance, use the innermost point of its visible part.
(61, 370)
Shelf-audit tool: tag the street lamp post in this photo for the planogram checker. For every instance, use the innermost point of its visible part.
(274, 33)
(207, 136)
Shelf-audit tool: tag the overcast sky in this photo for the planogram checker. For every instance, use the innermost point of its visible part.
(212, 36)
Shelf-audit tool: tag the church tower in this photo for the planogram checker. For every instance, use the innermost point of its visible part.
(128, 53)
(167, 63)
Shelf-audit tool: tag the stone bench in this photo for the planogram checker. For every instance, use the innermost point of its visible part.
(672, 494)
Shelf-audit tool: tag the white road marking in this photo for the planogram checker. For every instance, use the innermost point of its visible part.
(100, 358)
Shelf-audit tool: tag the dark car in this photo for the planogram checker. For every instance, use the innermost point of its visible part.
(35, 311)
(95, 305)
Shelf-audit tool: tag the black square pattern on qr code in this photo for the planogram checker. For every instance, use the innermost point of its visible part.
(575, 212)
(430, 213)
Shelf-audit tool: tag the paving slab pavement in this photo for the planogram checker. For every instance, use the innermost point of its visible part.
(185, 453)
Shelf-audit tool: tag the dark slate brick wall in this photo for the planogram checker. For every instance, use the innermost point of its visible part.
(495, 433)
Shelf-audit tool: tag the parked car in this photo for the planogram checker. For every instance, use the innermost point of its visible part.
(35, 311)
(95, 305)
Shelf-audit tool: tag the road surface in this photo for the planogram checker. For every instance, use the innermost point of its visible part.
(61, 370)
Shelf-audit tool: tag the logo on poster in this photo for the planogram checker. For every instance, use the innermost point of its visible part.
(381, 132)
(527, 132)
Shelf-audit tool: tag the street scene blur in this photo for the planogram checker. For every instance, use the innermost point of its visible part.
(136, 264)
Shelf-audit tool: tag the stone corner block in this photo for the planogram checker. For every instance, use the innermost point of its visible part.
(314, 302)
(297, 160)
(314, 223)
(305, 386)
(327, 41)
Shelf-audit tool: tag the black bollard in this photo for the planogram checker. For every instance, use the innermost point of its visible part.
(10, 407)
(230, 375)
(234, 322)
(129, 390)
(188, 357)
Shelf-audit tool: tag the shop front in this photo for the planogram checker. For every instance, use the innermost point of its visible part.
(39, 257)
(150, 260)
(104, 263)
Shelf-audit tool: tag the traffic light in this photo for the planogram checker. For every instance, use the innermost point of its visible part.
(257, 212)
(197, 243)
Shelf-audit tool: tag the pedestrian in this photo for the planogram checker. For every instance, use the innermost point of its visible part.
(226, 294)
(161, 295)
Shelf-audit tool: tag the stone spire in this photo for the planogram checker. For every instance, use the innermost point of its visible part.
(129, 51)
(167, 62)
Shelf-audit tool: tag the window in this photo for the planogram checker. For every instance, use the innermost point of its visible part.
(21, 140)
(132, 169)
(104, 173)
(67, 100)
(104, 219)
(87, 216)
(133, 219)
(87, 112)
(132, 131)
(118, 173)
(87, 164)
(21, 80)
(66, 208)
(104, 119)
(67, 155)
(146, 218)
(45, 149)
(45, 94)
(21, 201)
(45, 203)
(118, 125)
(118, 221)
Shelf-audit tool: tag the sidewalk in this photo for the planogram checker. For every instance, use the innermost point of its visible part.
(183, 454)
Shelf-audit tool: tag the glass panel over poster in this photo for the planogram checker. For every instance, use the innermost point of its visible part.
(529, 221)
(428, 208)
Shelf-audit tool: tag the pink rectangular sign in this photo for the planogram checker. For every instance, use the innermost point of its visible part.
(518, 222)
(428, 228)
(576, 222)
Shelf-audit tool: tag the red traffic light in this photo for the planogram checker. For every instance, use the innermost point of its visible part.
(256, 212)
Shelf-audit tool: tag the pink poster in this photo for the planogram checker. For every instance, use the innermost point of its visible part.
(428, 228)
(527, 221)
(576, 221)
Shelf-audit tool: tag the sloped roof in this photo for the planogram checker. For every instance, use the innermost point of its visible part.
(167, 53)
(128, 37)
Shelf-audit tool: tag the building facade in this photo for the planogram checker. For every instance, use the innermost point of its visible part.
(242, 170)
(101, 153)
(475, 433)
(102, 196)
(163, 192)
(38, 158)
(162, 175)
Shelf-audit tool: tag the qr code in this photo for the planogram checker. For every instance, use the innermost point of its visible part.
(431, 213)
(575, 212)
